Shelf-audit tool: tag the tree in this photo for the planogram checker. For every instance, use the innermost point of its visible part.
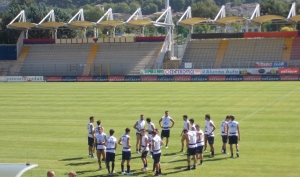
(150, 8)
(205, 9)
(265, 26)
(122, 8)
(287, 28)
(177, 5)
(236, 3)
(274, 7)
(92, 13)
(133, 7)
(237, 26)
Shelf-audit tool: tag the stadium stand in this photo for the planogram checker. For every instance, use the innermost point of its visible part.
(245, 52)
(15, 69)
(287, 52)
(202, 53)
(220, 54)
(295, 53)
(56, 59)
(90, 60)
(126, 58)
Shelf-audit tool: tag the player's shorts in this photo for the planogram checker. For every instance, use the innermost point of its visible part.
(210, 139)
(165, 133)
(138, 133)
(101, 150)
(110, 157)
(233, 140)
(156, 158)
(199, 150)
(126, 155)
(191, 151)
(91, 141)
(224, 138)
(144, 154)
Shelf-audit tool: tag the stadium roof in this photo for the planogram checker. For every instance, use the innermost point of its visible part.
(53, 25)
(21, 25)
(139, 23)
(232, 19)
(295, 19)
(80, 24)
(265, 18)
(109, 23)
(193, 21)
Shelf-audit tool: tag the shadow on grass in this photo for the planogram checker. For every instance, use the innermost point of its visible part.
(79, 163)
(70, 159)
(169, 154)
(179, 160)
(216, 159)
(83, 172)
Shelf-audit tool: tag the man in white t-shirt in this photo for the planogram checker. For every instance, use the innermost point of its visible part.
(200, 143)
(145, 149)
(210, 134)
(126, 151)
(166, 120)
(186, 126)
(91, 137)
(139, 125)
(191, 138)
(223, 132)
(100, 145)
(156, 147)
(234, 135)
(111, 146)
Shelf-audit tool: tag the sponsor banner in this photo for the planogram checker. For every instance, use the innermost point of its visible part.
(216, 78)
(165, 78)
(252, 78)
(69, 79)
(53, 78)
(200, 78)
(132, 79)
(182, 78)
(288, 70)
(148, 78)
(289, 77)
(2, 78)
(220, 71)
(116, 78)
(25, 78)
(182, 71)
(260, 71)
(100, 79)
(188, 65)
(234, 78)
(270, 64)
(152, 72)
(84, 79)
(270, 78)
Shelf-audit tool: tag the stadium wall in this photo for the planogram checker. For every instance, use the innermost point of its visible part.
(8, 52)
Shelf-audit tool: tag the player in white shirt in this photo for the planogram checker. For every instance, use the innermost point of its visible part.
(156, 147)
(186, 126)
(210, 134)
(145, 149)
(111, 146)
(205, 135)
(126, 151)
(166, 126)
(100, 141)
(233, 135)
(91, 137)
(191, 138)
(200, 143)
(99, 124)
(139, 125)
(223, 132)
(151, 126)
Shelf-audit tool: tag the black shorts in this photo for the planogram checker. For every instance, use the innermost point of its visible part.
(156, 158)
(110, 157)
(199, 150)
(224, 138)
(144, 154)
(211, 139)
(137, 133)
(233, 140)
(126, 155)
(191, 151)
(165, 133)
(91, 141)
(100, 150)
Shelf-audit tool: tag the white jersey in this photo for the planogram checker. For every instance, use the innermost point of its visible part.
(156, 140)
(206, 126)
(191, 126)
(186, 125)
(150, 129)
(233, 128)
(101, 138)
(166, 122)
(150, 142)
(124, 143)
(223, 128)
(140, 125)
(145, 145)
(96, 130)
(200, 142)
(111, 142)
(193, 139)
(90, 130)
(210, 128)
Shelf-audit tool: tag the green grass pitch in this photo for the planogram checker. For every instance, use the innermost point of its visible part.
(45, 123)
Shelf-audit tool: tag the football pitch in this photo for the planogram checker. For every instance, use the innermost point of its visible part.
(46, 124)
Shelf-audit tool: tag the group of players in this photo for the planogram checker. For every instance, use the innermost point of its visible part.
(148, 140)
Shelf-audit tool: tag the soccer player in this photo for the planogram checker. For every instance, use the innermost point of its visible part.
(191, 138)
(156, 147)
(205, 135)
(233, 135)
(200, 143)
(223, 132)
(111, 146)
(139, 125)
(210, 134)
(99, 124)
(186, 126)
(126, 151)
(145, 149)
(166, 126)
(91, 136)
(101, 141)
(151, 126)
(50, 174)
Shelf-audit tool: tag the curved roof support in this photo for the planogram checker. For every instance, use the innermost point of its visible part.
(79, 15)
(21, 16)
(221, 14)
(256, 12)
(292, 11)
(136, 15)
(51, 17)
(187, 14)
(108, 15)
